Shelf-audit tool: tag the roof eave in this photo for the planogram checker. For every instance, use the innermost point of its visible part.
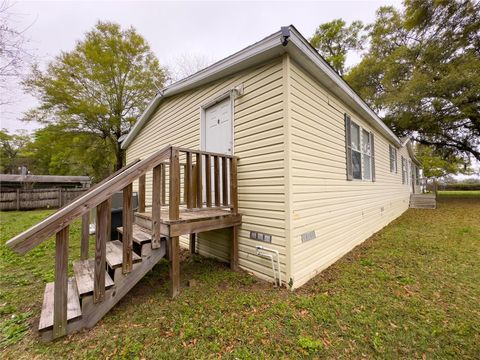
(140, 122)
(360, 104)
(247, 57)
(212, 72)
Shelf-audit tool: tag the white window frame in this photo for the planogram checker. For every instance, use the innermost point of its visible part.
(392, 155)
(362, 153)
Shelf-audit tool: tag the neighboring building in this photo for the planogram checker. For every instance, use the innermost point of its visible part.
(318, 171)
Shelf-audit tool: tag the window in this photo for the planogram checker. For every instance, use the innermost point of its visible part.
(360, 152)
(356, 153)
(366, 154)
(417, 175)
(409, 175)
(404, 170)
(393, 159)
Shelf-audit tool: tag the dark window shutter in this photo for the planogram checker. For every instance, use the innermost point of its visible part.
(372, 147)
(396, 162)
(348, 147)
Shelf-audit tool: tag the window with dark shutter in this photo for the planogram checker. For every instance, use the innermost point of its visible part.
(360, 151)
(403, 170)
(348, 147)
(356, 151)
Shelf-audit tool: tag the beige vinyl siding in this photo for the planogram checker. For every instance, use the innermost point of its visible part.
(342, 213)
(258, 142)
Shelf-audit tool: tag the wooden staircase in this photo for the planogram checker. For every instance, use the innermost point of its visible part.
(205, 200)
(82, 310)
(423, 201)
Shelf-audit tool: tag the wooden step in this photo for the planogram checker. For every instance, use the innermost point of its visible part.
(84, 271)
(144, 220)
(74, 310)
(141, 235)
(413, 206)
(115, 254)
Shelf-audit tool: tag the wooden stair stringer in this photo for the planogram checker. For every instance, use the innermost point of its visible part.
(93, 313)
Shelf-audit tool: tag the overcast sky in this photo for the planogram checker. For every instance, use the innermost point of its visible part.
(212, 29)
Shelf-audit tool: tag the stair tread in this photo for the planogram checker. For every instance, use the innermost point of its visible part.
(115, 254)
(84, 271)
(140, 234)
(74, 309)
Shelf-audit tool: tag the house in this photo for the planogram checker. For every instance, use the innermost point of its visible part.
(266, 159)
(318, 170)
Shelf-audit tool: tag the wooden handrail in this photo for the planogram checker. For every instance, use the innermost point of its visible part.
(203, 152)
(38, 233)
(198, 171)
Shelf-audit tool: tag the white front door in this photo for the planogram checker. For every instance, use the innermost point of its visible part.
(217, 128)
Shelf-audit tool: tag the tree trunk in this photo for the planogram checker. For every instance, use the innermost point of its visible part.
(119, 154)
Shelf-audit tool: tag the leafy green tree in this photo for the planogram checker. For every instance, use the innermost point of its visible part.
(436, 164)
(57, 150)
(335, 39)
(99, 88)
(12, 147)
(422, 73)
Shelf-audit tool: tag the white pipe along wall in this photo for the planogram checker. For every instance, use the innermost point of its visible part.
(270, 256)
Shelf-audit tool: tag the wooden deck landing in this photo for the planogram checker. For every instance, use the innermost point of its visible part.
(192, 221)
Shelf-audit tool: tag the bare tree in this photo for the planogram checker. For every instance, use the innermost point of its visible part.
(13, 50)
(186, 64)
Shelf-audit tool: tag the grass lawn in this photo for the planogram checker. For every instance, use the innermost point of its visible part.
(410, 291)
(460, 193)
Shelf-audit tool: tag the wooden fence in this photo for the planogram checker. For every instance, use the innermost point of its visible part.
(38, 198)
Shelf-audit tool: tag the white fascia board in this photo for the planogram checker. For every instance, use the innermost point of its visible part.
(409, 145)
(299, 41)
(261, 51)
(225, 66)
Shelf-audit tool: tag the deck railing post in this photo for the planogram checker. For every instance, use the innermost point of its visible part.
(174, 214)
(224, 181)
(194, 186)
(127, 224)
(216, 180)
(101, 237)
(141, 193)
(199, 181)
(233, 185)
(164, 182)
(60, 296)
(208, 180)
(156, 206)
(188, 181)
(85, 236)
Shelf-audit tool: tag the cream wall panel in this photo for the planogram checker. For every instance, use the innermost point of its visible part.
(342, 213)
(258, 142)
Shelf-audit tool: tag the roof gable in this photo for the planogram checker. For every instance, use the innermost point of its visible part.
(287, 40)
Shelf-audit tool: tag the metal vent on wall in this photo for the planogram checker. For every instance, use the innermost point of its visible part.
(255, 235)
(309, 235)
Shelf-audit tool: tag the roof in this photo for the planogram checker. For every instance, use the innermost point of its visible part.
(287, 40)
(406, 141)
